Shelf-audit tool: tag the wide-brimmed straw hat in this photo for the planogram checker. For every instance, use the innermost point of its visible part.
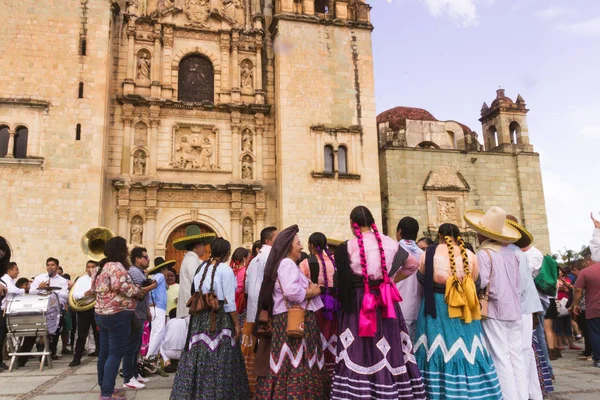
(333, 243)
(159, 263)
(193, 235)
(526, 236)
(492, 224)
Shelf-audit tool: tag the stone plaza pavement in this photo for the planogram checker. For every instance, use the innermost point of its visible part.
(574, 380)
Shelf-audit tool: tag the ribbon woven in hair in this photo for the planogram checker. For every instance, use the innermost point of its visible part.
(454, 297)
(389, 297)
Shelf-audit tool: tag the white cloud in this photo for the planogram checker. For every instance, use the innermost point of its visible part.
(554, 12)
(590, 27)
(464, 12)
(591, 131)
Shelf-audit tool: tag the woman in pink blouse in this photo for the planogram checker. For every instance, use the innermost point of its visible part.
(374, 352)
(116, 298)
(296, 367)
(320, 268)
(239, 264)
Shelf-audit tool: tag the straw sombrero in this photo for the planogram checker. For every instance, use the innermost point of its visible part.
(333, 243)
(159, 263)
(492, 225)
(526, 236)
(193, 235)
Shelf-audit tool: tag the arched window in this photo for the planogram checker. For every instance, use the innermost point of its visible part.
(328, 159)
(342, 160)
(492, 138)
(515, 132)
(4, 135)
(321, 6)
(20, 149)
(196, 79)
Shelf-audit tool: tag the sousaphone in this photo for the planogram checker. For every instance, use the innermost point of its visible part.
(92, 244)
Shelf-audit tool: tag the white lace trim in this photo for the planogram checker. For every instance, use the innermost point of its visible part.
(407, 348)
(347, 339)
(212, 343)
(297, 358)
(439, 343)
(330, 344)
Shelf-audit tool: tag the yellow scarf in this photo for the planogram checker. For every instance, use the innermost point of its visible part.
(461, 295)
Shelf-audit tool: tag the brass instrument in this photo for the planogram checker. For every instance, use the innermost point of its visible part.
(92, 244)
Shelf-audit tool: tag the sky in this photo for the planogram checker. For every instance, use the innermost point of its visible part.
(449, 56)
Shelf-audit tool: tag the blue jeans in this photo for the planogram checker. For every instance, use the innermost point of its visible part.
(593, 325)
(115, 330)
(541, 335)
(132, 352)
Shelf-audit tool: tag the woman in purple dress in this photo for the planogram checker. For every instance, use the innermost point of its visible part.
(375, 358)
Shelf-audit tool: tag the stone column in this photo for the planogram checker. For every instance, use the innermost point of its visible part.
(335, 162)
(126, 146)
(123, 214)
(260, 214)
(152, 162)
(235, 69)
(150, 233)
(258, 69)
(235, 153)
(236, 231)
(167, 89)
(225, 45)
(11, 144)
(131, 50)
(259, 154)
(155, 72)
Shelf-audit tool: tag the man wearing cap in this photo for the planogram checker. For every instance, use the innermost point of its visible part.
(197, 245)
(499, 268)
(530, 305)
(158, 304)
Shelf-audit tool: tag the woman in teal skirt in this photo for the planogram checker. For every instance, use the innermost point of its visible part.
(450, 347)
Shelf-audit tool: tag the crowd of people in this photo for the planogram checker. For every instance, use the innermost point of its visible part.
(371, 317)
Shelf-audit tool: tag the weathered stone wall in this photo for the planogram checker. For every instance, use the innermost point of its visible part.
(316, 81)
(47, 209)
(510, 181)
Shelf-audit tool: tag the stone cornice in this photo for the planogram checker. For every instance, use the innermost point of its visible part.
(13, 101)
(118, 183)
(314, 19)
(138, 101)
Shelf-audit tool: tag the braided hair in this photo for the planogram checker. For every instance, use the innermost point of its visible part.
(451, 232)
(319, 241)
(237, 259)
(362, 217)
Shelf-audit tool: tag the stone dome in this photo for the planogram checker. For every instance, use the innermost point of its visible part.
(397, 116)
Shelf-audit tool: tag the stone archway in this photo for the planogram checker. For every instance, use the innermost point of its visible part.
(171, 252)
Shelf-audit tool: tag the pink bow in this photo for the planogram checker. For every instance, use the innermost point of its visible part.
(367, 319)
(389, 297)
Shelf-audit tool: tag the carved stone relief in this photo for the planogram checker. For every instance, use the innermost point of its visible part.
(139, 162)
(143, 65)
(193, 195)
(140, 136)
(197, 11)
(247, 167)
(234, 9)
(137, 230)
(246, 140)
(195, 148)
(247, 74)
(448, 211)
(247, 230)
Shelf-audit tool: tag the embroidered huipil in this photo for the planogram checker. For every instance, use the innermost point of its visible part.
(294, 284)
(504, 303)
(115, 290)
(390, 247)
(305, 269)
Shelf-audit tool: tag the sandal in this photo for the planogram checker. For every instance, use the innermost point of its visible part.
(585, 358)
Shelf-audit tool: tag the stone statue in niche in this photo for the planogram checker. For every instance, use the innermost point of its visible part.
(247, 167)
(137, 230)
(140, 137)
(247, 231)
(139, 162)
(246, 140)
(143, 71)
(247, 75)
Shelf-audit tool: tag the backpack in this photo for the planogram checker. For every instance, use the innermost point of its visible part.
(548, 276)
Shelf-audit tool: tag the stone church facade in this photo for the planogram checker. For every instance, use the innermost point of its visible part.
(145, 116)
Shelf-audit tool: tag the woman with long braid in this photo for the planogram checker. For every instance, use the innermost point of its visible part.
(375, 358)
(450, 347)
(320, 269)
(213, 366)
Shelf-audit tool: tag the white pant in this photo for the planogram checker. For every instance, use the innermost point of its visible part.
(157, 333)
(535, 391)
(504, 339)
(168, 355)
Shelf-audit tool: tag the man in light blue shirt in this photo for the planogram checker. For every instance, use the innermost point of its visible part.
(158, 305)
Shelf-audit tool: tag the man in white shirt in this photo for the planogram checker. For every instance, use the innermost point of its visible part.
(197, 245)
(42, 281)
(595, 242)
(8, 282)
(85, 319)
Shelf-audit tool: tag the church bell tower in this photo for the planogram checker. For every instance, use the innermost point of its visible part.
(324, 113)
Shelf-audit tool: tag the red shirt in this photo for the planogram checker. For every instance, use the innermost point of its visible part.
(589, 280)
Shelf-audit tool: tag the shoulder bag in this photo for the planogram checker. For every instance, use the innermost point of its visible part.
(295, 318)
(484, 295)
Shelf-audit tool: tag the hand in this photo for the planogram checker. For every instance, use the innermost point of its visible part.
(43, 285)
(2, 290)
(313, 290)
(575, 310)
(88, 293)
(596, 222)
(238, 332)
